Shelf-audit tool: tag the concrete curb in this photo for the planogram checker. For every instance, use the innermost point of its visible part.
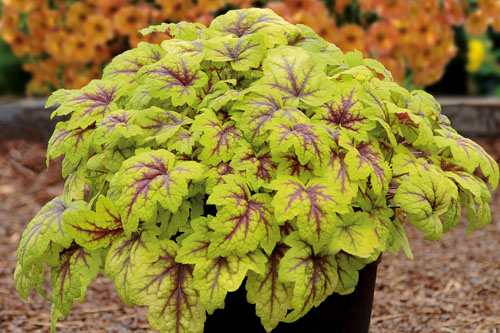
(28, 119)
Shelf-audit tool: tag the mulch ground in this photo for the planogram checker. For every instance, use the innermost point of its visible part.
(451, 286)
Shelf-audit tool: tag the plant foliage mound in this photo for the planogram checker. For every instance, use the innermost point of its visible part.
(251, 149)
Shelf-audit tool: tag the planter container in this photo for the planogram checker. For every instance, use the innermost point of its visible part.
(337, 314)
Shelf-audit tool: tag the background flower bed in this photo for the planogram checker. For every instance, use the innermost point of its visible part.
(65, 43)
(448, 287)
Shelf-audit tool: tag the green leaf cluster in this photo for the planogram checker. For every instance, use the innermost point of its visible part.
(251, 149)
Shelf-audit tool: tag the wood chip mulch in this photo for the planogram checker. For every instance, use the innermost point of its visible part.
(451, 286)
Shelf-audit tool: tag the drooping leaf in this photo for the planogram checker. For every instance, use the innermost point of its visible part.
(470, 155)
(78, 267)
(314, 275)
(174, 77)
(348, 267)
(74, 143)
(118, 265)
(272, 298)
(151, 178)
(46, 227)
(425, 198)
(166, 287)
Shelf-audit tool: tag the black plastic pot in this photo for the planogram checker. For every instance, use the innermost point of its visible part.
(337, 314)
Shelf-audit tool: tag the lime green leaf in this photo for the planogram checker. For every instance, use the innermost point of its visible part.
(348, 267)
(271, 297)
(150, 178)
(182, 48)
(355, 234)
(314, 275)
(251, 21)
(258, 167)
(400, 240)
(425, 198)
(315, 206)
(245, 221)
(469, 154)
(47, 226)
(124, 67)
(259, 109)
(296, 76)
(70, 279)
(166, 287)
(182, 30)
(94, 230)
(219, 138)
(242, 53)
(89, 104)
(175, 77)
(158, 124)
(113, 127)
(74, 143)
(118, 265)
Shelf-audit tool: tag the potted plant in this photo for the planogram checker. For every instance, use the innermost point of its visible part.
(251, 149)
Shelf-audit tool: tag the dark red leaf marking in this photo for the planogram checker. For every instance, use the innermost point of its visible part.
(295, 167)
(343, 174)
(305, 133)
(241, 28)
(340, 114)
(367, 155)
(97, 102)
(236, 52)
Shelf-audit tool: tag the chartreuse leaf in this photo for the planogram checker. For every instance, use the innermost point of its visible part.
(124, 67)
(259, 168)
(215, 276)
(315, 205)
(245, 221)
(178, 78)
(314, 275)
(259, 109)
(425, 198)
(113, 127)
(272, 298)
(151, 178)
(469, 154)
(307, 141)
(77, 268)
(316, 46)
(295, 76)
(366, 160)
(95, 229)
(219, 138)
(347, 268)
(166, 287)
(242, 53)
(158, 124)
(355, 234)
(45, 228)
(118, 263)
(400, 239)
(194, 49)
(338, 172)
(89, 104)
(182, 30)
(74, 143)
(252, 21)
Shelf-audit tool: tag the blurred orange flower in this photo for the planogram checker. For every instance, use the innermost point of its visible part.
(79, 48)
(367, 5)
(211, 5)
(382, 37)
(75, 77)
(391, 9)
(20, 43)
(108, 7)
(490, 8)
(352, 37)
(476, 23)
(9, 24)
(395, 65)
(424, 30)
(77, 14)
(175, 10)
(153, 38)
(128, 20)
(99, 28)
(454, 12)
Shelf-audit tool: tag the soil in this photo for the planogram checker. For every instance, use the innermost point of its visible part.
(451, 286)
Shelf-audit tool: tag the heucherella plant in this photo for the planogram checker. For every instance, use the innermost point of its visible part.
(251, 149)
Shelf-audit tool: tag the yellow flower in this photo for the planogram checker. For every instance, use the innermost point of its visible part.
(475, 55)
